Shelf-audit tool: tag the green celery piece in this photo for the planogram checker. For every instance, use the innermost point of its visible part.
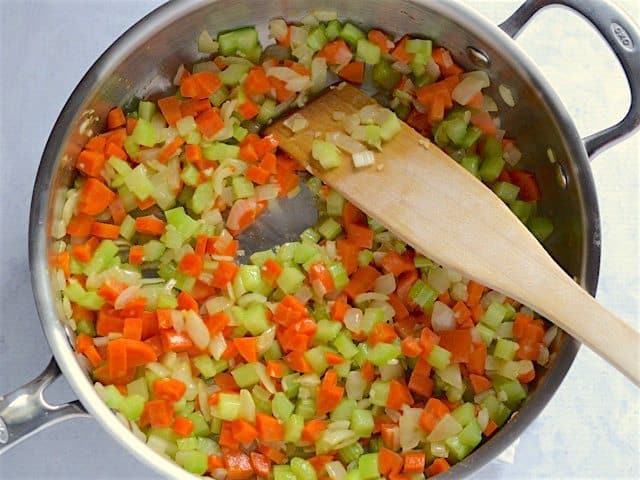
(131, 147)
(351, 453)
(439, 357)
(258, 258)
(330, 229)
(205, 365)
(335, 204)
(351, 34)
(379, 393)
(464, 414)
(306, 408)
(182, 222)
(383, 353)
(201, 428)
(494, 315)
(456, 130)
(302, 469)
(390, 127)
(267, 111)
(102, 257)
(282, 406)
(513, 389)
(245, 375)
(491, 148)
(303, 252)
(119, 165)
(541, 227)
(186, 125)
(316, 38)
(338, 274)
(505, 349)
(193, 461)
(242, 188)
(522, 210)
(471, 435)
(486, 334)
(317, 359)
(87, 327)
(368, 466)
(153, 250)
(138, 182)
(385, 76)
(255, 319)
(293, 428)
(285, 252)
(112, 397)
(332, 30)
(232, 75)
(491, 168)
(418, 45)
(310, 235)
(190, 175)
(371, 317)
(344, 410)
(365, 257)
(362, 422)
(139, 388)
(326, 153)
(283, 472)
(290, 280)
(144, 133)
(345, 346)
(220, 151)
(146, 110)
(228, 406)
(422, 294)
(367, 51)
(457, 450)
(239, 40)
(327, 331)
(189, 443)
(506, 191)
(361, 356)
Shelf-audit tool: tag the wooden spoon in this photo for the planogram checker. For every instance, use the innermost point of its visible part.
(429, 201)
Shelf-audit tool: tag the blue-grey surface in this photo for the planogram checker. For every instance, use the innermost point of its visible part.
(591, 428)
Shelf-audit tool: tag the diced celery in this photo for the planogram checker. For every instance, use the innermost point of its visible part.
(368, 466)
(102, 257)
(153, 250)
(505, 349)
(367, 51)
(303, 252)
(456, 129)
(200, 429)
(418, 45)
(228, 406)
(285, 252)
(146, 110)
(310, 235)
(418, 64)
(220, 151)
(267, 111)
(205, 365)
(464, 414)
(245, 375)
(471, 435)
(457, 450)
(171, 237)
(351, 34)
(327, 331)
(471, 162)
(379, 393)
(283, 472)
(258, 258)
(145, 133)
(344, 410)
(293, 428)
(513, 389)
(522, 210)
(439, 357)
(491, 168)
(290, 280)
(242, 188)
(190, 175)
(486, 334)
(362, 422)
(541, 227)
(390, 127)
(338, 274)
(422, 294)
(383, 353)
(317, 359)
(506, 191)
(365, 257)
(239, 40)
(112, 397)
(345, 346)
(361, 357)
(233, 74)
(138, 182)
(373, 136)
(302, 469)
(472, 136)
(193, 461)
(131, 147)
(326, 153)
(119, 165)
(494, 315)
(189, 443)
(351, 453)
(335, 204)
(306, 408)
(330, 229)
(186, 125)
(182, 222)
(282, 406)
(371, 317)
(86, 326)
(385, 76)
(316, 38)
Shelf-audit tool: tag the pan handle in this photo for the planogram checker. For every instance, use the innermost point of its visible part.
(620, 33)
(24, 411)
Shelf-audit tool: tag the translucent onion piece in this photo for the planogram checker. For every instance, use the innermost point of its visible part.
(483, 418)
(442, 317)
(385, 284)
(506, 94)
(217, 346)
(401, 67)
(265, 379)
(363, 159)
(217, 304)
(296, 122)
(247, 409)
(451, 375)
(550, 335)
(177, 320)
(370, 296)
(512, 154)
(335, 470)
(445, 428)
(355, 385)
(127, 296)
(409, 431)
(265, 340)
(438, 279)
(490, 297)
(391, 370)
(439, 449)
(345, 142)
(278, 28)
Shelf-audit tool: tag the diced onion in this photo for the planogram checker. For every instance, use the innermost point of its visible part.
(217, 346)
(355, 385)
(350, 122)
(385, 284)
(438, 279)
(409, 428)
(265, 379)
(127, 296)
(488, 104)
(325, 15)
(432, 69)
(391, 370)
(278, 28)
(318, 73)
(442, 317)
(483, 418)
(265, 340)
(550, 335)
(459, 292)
(345, 142)
(490, 297)
(335, 470)
(445, 428)
(511, 154)
(506, 94)
(439, 449)
(177, 320)
(196, 329)
(363, 159)
(353, 319)
(401, 67)
(369, 297)
(470, 85)
(217, 304)
(451, 375)
(247, 408)
(267, 192)
(296, 123)
(543, 355)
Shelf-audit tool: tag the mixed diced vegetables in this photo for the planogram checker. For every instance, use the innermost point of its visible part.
(344, 355)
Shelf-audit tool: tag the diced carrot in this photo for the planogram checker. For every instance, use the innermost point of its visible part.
(367, 371)
(389, 462)
(400, 53)
(353, 72)
(420, 381)
(209, 122)
(336, 52)
(214, 462)
(318, 272)
(150, 225)
(439, 465)
(183, 426)
(527, 377)
(170, 108)
(411, 347)
(399, 395)
(113, 150)
(248, 110)
(174, 341)
(396, 264)
(105, 230)
(261, 464)
(484, 122)
(348, 253)
(528, 350)
(191, 264)
(474, 293)
(244, 431)
(226, 382)
(224, 274)
(269, 429)
(380, 38)
(458, 342)
(238, 465)
(118, 213)
(115, 118)
(117, 359)
(529, 190)
(275, 369)
(94, 197)
(256, 82)
(360, 235)
(170, 149)
(490, 428)
(381, 333)
(159, 412)
(433, 412)
(313, 429)
(80, 225)
(91, 163)
(258, 175)
(200, 85)
(477, 358)
(169, 389)
(297, 362)
(479, 383)
(131, 125)
(132, 328)
(361, 281)
(333, 358)
(96, 144)
(282, 93)
(414, 462)
(247, 348)
(271, 270)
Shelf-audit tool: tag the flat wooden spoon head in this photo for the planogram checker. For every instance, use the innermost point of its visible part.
(428, 200)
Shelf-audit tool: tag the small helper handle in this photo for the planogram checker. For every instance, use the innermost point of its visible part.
(24, 411)
(620, 33)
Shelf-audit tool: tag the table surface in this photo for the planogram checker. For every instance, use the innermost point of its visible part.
(590, 429)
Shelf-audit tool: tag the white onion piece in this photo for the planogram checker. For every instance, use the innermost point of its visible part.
(401, 67)
(126, 296)
(267, 192)
(196, 329)
(442, 317)
(439, 449)
(368, 113)
(304, 294)
(345, 142)
(178, 76)
(177, 320)
(363, 159)
(488, 104)
(543, 355)
(438, 279)
(390, 371)
(247, 408)
(278, 28)
(217, 304)
(296, 122)
(353, 320)
(369, 297)
(318, 73)
(432, 69)
(483, 418)
(409, 431)
(506, 94)
(355, 385)
(491, 363)
(265, 379)
(445, 428)
(459, 292)
(249, 298)
(265, 340)
(238, 210)
(471, 84)
(217, 346)
(157, 444)
(550, 335)
(490, 297)
(325, 15)
(505, 330)
(394, 415)
(511, 154)
(451, 375)
(335, 470)
(385, 284)
(378, 257)
(159, 369)
(350, 122)
(203, 397)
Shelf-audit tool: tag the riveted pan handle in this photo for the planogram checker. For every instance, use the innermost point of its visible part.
(24, 411)
(623, 37)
